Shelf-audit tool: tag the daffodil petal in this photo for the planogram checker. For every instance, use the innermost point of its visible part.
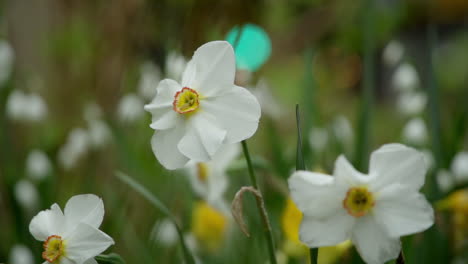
(315, 193)
(46, 223)
(202, 139)
(225, 155)
(84, 208)
(212, 67)
(86, 242)
(90, 261)
(346, 175)
(164, 145)
(166, 91)
(167, 120)
(372, 242)
(397, 163)
(237, 110)
(326, 232)
(402, 211)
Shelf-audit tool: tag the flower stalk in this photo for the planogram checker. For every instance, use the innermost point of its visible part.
(261, 210)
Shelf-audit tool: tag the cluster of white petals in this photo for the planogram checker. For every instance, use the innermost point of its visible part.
(26, 107)
(372, 210)
(75, 231)
(194, 118)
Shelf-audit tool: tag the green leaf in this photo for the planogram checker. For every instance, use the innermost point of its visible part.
(111, 258)
(160, 206)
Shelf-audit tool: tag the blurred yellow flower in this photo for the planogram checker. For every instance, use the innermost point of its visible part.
(458, 204)
(209, 226)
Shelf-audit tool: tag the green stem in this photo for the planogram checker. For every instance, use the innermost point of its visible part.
(262, 213)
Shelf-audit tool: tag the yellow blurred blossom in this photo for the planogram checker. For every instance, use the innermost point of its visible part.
(209, 226)
(458, 204)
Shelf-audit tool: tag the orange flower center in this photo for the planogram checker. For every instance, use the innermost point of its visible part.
(358, 201)
(54, 248)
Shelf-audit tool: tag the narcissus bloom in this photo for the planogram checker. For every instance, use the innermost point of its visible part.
(72, 236)
(195, 118)
(372, 210)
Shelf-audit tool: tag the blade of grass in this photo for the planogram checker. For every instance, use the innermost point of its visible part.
(300, 165)
(160, 206)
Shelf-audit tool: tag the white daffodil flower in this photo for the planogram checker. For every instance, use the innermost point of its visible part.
(130, 108)
(20, 254)
(372, 210)
(459, 166)
(411, 103)
(415, 132)
(175, 65)
(72, 236)
(78, 143)
(393, 53)
(150, 75)
(405, 78)
(209, 179)
(38, 165)
(195, 118)
(26, 194)
(26, 107)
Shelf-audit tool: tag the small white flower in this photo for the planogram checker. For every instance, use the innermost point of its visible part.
(209, 179)
(26, 194)
(76, 146)
(175, 65)
(195, 118)
(130, 108)
(268, 102)
(372, 210)
(150, 75)
(405, 78)
(20, 254)
(26, 107)
(445, 180)
(459, 166)
(99, 133)
(72, 236)
(38, 165)
(415, 132)
(411, 103)
(165, 232)
(6, 61)
(318, 138)
(393, 53)
(342, 130)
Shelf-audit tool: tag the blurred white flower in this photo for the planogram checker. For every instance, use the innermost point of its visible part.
(445, 180)
(72, 237)
(428, 158)
(210, 180)
(175, 65)
(26, 194)
(165, 233)
(393, 53)
(415, 132)
(38, 165)
(318, 138)
(342, 130)
(268, 102)
(77, 145)
(194, 119)
(150, 75)
(20, 254)
(412, 103)
(24, 107)
(372, 210)
(459, 166)
(130, 108)
(6, 61)
(405, 78)
(99, 133)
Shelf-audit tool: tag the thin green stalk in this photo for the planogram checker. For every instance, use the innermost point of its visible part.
(159, 205)
(300, 165)
(262, 213)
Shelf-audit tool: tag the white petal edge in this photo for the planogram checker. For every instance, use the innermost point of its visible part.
(46, 223)
(398, 163)
(372, 243)
(202, 139)
(347, 176)
(237, 110)
(212, 67)
(315, 193)
(164, 145)
(402, 211)
(84, 208)
(86, 242)
(326, 232)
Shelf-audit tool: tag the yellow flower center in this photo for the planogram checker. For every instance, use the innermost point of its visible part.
(186, 101)
(54, 248)
(209, 225)
(202, 171)
(358, 201)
